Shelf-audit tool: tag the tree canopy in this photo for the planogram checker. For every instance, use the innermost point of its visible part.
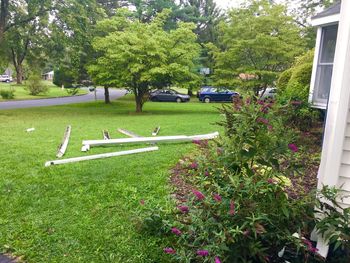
(256, 43)
(141, 56)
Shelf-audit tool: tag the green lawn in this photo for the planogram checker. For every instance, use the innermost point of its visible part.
(84, 212)
(22, 94)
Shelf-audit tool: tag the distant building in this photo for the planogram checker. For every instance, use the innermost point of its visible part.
(48, 76)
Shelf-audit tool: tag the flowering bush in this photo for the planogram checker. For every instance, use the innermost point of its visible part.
(238, 209)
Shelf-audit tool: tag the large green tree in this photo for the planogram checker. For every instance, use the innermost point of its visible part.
(140, 56)
(256, 43)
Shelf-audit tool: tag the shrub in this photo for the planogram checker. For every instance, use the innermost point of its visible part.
(283, 80)
(7, 94)
(239, 210)
(295, 85)
(35, 86)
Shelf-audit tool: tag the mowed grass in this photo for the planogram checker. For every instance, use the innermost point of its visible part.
(21, 93)
(86, 212)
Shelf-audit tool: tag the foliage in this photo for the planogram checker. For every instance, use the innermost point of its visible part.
(7, 94)
(35, 85)
(294, 85)
(333, 221)
(63, 76)
(239, 210)
(256, 43)
(142, 56)
(302, 11)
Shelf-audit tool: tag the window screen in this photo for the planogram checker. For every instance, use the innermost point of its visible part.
(325, 64)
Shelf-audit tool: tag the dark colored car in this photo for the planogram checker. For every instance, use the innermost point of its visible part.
(208, 94)
(168, 95)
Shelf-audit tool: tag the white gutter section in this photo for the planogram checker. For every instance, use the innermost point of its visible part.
(63, 146)
(338, 109)
(100, 156)
(180, 138)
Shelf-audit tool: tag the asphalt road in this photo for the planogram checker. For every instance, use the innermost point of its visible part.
(113, 93)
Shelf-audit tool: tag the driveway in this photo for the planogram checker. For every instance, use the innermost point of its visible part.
(113, 94)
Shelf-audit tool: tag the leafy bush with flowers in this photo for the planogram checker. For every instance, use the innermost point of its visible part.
(238, 209)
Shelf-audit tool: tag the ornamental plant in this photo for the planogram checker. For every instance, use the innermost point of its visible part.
(238, 209)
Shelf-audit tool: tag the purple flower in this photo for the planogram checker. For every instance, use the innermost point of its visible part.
(219, 150)
(262, 120)
(194, 165)
(183, 208)
(198, 194)
(269, 127)
(309, 245)
(261, 102)
(217, 260)
(246, 233)
(271, 181)
(232, 208)
(248, 101)
(217, 197)
(293, 147)
(198, 142)
(169, 250)
(202, 253)
(206, 173)
(176, 231)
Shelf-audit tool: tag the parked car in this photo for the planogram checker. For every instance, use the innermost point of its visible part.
(270, 93)
(5, 78)
(168, 95)
(208, 94)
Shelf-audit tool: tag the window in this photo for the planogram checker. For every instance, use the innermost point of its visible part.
(325, 64)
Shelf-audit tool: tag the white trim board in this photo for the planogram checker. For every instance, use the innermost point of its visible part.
(326, 20)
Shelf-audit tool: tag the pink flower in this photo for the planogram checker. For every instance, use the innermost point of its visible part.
(206, 173)
(248, 101)
(169, 250)
(194, 165)
(232, 208)
(184, 209)
(198, 194)
(217, 260)
(217, 197)
(176, 231)
(142, 202)
(293, 147)
(269, 127)
(262, 120)
(203, 253)
(261, 102)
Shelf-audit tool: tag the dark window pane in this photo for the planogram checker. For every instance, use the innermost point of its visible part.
(329, 39)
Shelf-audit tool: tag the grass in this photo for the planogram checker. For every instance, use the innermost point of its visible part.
(22, 94)
(85, 212)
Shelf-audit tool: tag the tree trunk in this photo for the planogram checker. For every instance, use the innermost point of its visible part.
(139, 102)
(19, 72)
(189, 92)
(107, 100)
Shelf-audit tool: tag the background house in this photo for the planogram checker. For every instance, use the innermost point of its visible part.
(48, 76)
